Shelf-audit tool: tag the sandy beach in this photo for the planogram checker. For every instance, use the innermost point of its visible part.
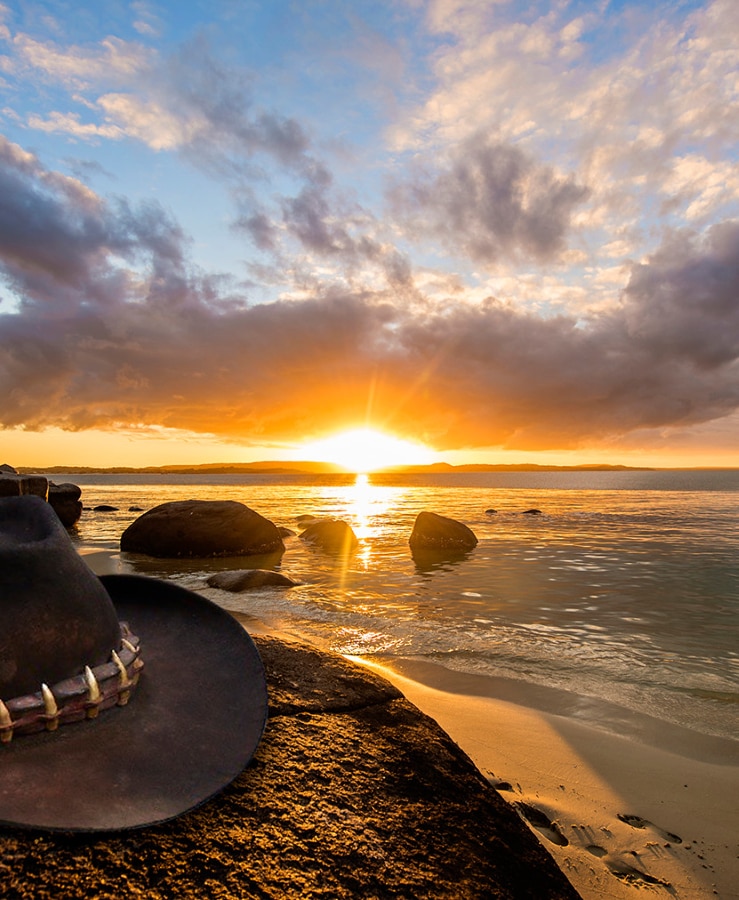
(623, 819)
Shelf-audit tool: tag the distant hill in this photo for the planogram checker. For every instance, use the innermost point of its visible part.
(433, 468)
(260, 468)
(306, 467)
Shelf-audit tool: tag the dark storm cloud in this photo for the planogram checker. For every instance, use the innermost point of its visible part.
(490, 200)
(114, 327)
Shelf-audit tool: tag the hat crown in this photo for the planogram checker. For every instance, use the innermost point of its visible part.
(55, 615)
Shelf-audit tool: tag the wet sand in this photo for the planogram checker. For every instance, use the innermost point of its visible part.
(623, 818)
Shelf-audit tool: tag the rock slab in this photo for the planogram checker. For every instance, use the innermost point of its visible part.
(353, 793)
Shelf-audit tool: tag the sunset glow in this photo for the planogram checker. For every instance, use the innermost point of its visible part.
(364, 450)
(510, 229)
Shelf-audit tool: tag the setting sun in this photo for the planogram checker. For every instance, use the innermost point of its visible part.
(365, 450)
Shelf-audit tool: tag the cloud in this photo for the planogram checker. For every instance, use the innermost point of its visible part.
(59, 242)
(637, 104)
(112, 60)
(490, 200)
(69, 123)
(116, 329)
(185, 102)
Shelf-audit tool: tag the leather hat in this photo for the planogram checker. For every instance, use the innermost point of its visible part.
(124, 701)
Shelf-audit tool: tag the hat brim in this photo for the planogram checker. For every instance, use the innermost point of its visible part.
(191, 726)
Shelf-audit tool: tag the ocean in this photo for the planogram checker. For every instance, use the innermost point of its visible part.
(618, 603)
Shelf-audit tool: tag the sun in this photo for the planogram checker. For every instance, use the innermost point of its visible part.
(365, 450)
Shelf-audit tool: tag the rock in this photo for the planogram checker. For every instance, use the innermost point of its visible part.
(531, 512)
(435, 532)
(286, 532)
(353, 793)
(103, 507)
(63, 498)
(135, 508)
(36, 484)
(201, 528)
(333, 535)
(306, 519)
(491, 512)
(248, 579)
(65, 501)
(10, 486)
(13, 485)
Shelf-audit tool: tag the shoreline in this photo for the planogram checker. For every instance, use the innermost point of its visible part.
(652, 810)
(578, 765)
(633, 815)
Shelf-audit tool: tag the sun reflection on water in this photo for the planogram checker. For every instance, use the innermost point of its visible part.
(365, 503)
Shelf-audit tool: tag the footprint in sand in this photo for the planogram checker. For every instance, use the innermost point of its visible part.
(626, 872)
(539, 820)
(638, 822)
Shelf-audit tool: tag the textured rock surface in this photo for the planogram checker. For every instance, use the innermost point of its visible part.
(353, 793)
(201, 528)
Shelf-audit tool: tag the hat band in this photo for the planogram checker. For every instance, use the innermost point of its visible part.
(78, 698)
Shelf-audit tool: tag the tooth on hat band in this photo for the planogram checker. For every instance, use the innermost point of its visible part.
(77, 698)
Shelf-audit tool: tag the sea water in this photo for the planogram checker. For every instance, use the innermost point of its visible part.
(622, 593)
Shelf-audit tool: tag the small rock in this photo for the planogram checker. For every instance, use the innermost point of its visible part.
(249, 579)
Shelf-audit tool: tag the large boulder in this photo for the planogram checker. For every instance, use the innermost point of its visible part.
(64, 499)
(352, 793)
(434, 532)
(201, 528)
(249, 579)
(333, 535)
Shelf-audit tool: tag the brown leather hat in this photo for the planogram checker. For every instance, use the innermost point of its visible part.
(124, 701)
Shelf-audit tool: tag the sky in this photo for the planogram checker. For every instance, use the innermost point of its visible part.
(508, 231)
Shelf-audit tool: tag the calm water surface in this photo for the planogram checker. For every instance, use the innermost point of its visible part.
(624, 589)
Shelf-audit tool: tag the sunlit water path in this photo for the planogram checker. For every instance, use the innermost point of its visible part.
(625, 588)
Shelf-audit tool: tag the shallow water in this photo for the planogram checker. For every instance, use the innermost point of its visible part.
(624, 589)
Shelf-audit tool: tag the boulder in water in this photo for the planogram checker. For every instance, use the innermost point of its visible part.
(333, 535)
(201, 528)
(434, 532)
(65, 501)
